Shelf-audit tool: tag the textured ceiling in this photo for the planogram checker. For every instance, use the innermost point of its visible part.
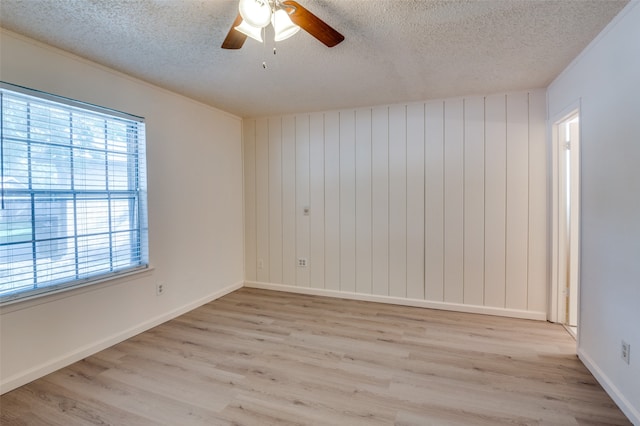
(394, 50)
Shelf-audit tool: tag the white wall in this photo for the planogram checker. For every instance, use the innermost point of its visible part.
(440, 204)
(605, 79)
(195, 217)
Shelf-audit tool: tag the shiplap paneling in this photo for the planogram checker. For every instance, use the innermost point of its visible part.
(397, 201)
(434, 201)
(274, 168)
(453, 201)
(288, 200)
(517, 196)
(415, 201)
(380, 200)
(538, 213)
(443, 201)
(495, 200)
(364, 210)
(332, 200)
(347, 201)
(316, 200)
(302, 197)
(262, 199)
(474, 161)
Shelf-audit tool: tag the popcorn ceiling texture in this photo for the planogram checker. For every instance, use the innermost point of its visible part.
(394, 50)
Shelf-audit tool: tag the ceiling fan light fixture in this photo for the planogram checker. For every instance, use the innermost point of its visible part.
(282, 25)
(256, 13)
(287, 18)
(250, 31)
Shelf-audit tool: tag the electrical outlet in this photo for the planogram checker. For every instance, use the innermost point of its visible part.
(302, 262)
(160, 287)
(260, 264)
(626, 352)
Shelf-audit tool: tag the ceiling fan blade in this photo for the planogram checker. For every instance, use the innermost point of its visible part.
(313, 25)
(235, 39)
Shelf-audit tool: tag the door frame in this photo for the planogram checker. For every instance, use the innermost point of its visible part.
(558, 266)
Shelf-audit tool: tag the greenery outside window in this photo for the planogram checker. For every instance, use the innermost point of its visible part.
(72, 193)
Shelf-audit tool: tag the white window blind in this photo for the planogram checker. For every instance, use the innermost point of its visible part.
(72, 193)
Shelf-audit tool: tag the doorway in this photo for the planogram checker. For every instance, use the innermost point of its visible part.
(566, 220)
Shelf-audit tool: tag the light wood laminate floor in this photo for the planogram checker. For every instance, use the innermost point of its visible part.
(257, 357)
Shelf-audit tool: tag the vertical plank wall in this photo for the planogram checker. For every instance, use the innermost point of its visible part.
(438, 204)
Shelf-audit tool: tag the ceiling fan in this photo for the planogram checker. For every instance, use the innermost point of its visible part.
(286, 16)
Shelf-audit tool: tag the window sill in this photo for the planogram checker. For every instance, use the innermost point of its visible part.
(52, 296)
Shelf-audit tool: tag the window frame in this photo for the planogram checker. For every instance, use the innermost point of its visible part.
(136, 190)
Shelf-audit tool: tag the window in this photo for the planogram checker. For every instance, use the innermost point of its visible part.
(72, 193)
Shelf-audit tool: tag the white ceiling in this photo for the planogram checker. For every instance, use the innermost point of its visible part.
(394, 50)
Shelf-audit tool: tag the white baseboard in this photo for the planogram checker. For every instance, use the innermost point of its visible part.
(633, 413)
(55, 364)
(458, 307)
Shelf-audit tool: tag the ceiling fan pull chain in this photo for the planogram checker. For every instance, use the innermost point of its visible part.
(264, 48)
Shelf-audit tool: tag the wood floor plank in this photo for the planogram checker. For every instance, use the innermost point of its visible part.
(149, 405)
(258, 357)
